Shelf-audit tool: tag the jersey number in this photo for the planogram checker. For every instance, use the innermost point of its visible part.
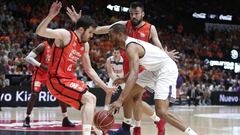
(74, 85)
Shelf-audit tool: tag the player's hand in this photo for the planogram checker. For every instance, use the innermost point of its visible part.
(115, 107)
(44, 67)
(173, 54)
(55, 8)
(119, 81)
(111, 90)
(74, 16)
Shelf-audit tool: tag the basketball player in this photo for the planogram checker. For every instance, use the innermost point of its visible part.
(114, 66)
(62, 83)
(139, 29)
(39, 78)
(160, 74)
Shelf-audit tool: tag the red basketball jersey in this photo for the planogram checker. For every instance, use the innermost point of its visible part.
(142, 33)
(63, 60)
(43, 58)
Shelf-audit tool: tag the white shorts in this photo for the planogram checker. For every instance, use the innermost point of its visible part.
(163, 82)
(110, 83)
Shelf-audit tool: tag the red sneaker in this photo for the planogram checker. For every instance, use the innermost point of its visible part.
(137, 131)
(161, 127)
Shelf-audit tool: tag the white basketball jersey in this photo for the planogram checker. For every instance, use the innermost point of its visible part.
(154, 58)
(117, 66)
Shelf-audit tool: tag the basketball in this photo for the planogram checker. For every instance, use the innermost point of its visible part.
(103, 120)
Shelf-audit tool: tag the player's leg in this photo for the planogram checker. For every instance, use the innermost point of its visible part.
(89, 103)
(108, 97)
(165, 91)
(143, 107)
(74, 93)
(65, 122)
(36, 88)
(107, 101)
(127, 110)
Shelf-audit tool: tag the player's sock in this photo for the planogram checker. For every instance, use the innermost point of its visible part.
(86, 129)
(106, 107)
(189, 131)
(154, 117)
(138, 123)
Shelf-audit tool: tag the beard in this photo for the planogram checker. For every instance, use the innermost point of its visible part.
(136, 22)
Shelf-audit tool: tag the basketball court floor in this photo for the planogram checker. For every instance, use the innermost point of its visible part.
(207, 120)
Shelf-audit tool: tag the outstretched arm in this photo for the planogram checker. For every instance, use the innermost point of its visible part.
(133, 56)
(105, 29)
(154, 37)
(44, 31)
(74, 16)
(91, 72)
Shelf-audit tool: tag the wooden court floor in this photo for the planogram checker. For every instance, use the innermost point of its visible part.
(206, 120)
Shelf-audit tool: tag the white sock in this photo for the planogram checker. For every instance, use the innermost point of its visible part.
(64, 114)
(106, 107)
(189, 131)
(154, 117)
(28, 115)
(138, 123)
(97, 131)
(86, 129)
(127, 121)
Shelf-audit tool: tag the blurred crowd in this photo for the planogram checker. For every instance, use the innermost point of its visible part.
(18, 21)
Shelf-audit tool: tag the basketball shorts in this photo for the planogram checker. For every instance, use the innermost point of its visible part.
(36, 85)
(69, 91)
(162, 82)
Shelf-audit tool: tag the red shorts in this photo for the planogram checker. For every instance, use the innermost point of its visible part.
(36, 85)
(69, 91)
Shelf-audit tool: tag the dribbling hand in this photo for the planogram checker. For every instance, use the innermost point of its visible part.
(115, 107)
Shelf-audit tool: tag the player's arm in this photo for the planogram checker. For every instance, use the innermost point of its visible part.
(30, 58)
(133, 56)
(109, 69)
(91, 72)
(105, 29)
(154, 37)
(44, 31)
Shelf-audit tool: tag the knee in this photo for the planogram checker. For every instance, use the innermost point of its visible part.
(162, 113)
(137, 98)
(91, 99)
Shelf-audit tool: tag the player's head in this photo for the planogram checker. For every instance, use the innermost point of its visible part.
(136, 11)
(117, 35)
(116, 52)
(85, 26)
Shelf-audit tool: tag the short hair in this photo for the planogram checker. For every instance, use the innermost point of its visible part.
(85, 22)
(118, 28)
(116, 48)
(136, 4)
